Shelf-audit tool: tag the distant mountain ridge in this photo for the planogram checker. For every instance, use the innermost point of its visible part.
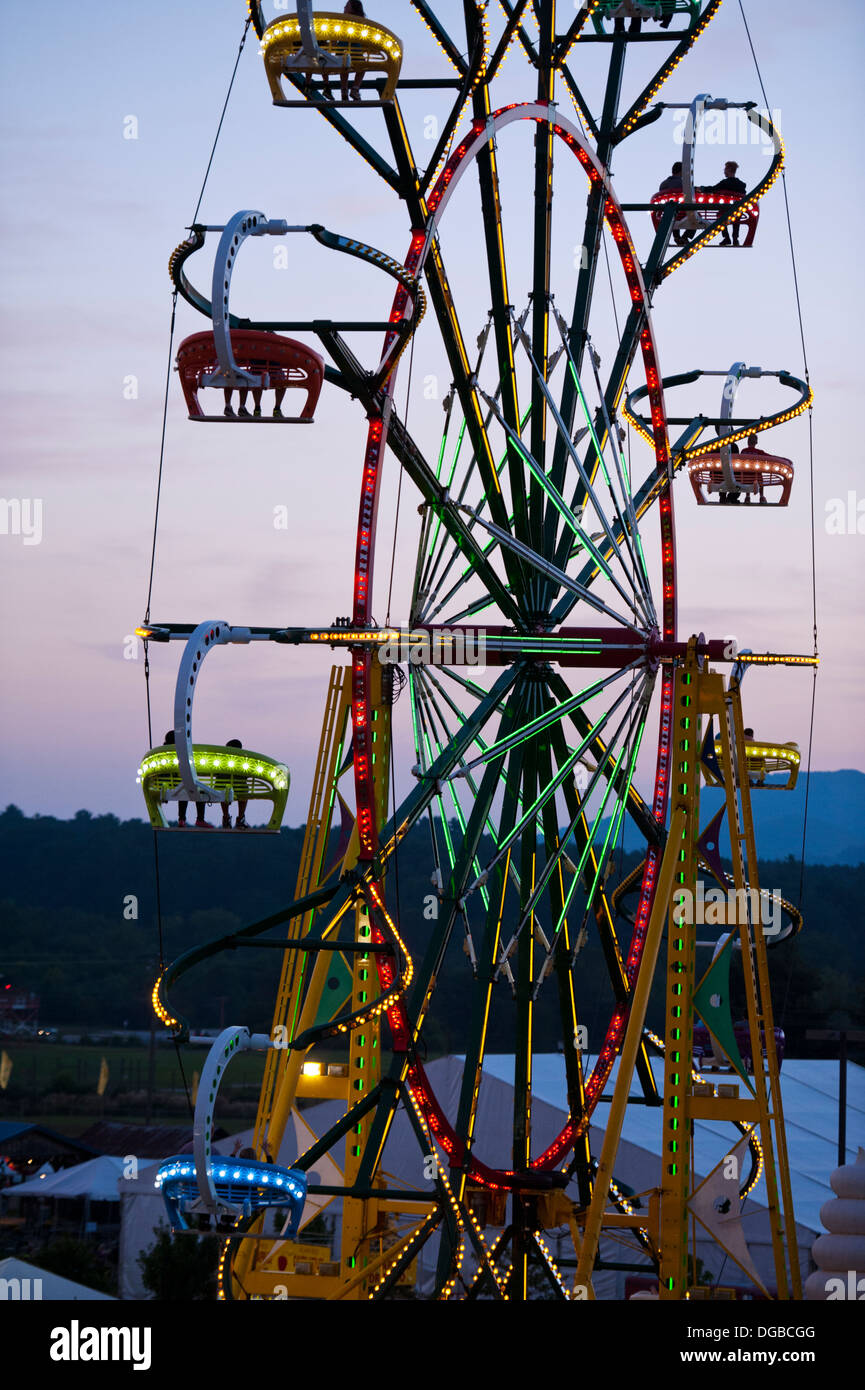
(836, 819)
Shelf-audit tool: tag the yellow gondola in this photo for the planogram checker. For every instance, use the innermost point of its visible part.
(340, 44)
(766, 761)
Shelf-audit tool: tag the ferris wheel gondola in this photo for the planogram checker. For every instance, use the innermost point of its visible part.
(180, 771)
(324, 45)
(268, 360)
(710, 208)
(700, 213)
(720, 472)
(261, 361)
(208, 1183)
(659, 11)
(771, 766)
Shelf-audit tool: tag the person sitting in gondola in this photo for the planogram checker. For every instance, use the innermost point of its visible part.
(730, 184)
(278, 397)
(353, 7)
(758, 779)
(240, 823)
(241, 408)
(638, 13)
(200, 822)
(634, 10)
(673, 184)
(728, 499)
(760, 454)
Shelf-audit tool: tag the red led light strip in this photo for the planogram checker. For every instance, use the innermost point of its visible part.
(480, 133)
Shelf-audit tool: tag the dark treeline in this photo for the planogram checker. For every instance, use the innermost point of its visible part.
(79, 928)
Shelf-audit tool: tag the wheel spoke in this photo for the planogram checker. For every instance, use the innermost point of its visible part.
(628, 758)
(631, 720)
(552, 571)
(628, 529)
(554, 716)
(568, 517)
(634, 579)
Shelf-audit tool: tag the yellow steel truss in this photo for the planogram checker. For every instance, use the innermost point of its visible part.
(367, 1233)
(299, 992)
(700, 693)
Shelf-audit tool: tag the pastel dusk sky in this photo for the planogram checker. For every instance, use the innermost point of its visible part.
(108, 116)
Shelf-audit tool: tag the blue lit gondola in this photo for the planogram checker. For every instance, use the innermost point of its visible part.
(242, 1186)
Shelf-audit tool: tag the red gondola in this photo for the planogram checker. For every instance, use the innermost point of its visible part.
(754, 471)
(712, 206)
(282, 363)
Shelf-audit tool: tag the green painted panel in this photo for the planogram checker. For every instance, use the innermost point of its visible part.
(712, 1003)
(336, 992)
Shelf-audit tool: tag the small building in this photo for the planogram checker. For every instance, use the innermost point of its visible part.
(30, 1146)
(139, 1141)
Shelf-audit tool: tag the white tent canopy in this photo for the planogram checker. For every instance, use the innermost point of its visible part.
(96, 1179)
(26, 1282)
(809, 1093)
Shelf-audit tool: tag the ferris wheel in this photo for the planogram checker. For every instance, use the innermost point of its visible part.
(536, 671)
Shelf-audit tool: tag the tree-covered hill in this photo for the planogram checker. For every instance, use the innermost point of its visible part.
(79, 927)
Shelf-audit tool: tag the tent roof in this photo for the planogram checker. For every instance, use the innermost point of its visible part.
(54, 1287)
(809, 1092)
(97, 1179)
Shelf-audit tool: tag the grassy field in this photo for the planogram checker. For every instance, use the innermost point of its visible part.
(74, 1125)
(69, 1074)
(43, 1068)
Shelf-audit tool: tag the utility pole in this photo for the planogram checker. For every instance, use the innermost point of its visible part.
(841, 1036)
